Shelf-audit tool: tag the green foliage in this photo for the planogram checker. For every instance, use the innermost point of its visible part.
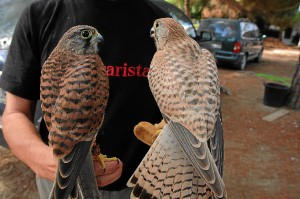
(177, 3)
(196, 6)
(276, 12)
(283, 80)
(297, 17)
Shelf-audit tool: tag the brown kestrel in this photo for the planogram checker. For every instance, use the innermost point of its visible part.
(186, 159)
(74, 93)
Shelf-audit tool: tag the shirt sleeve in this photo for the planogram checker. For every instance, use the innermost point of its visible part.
(22, 69)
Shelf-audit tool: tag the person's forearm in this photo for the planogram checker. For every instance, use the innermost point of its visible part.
(26, 144)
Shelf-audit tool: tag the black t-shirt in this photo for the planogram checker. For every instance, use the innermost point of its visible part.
(127, 52)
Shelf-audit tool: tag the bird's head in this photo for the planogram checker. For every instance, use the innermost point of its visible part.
(81, 39)
(166, 30)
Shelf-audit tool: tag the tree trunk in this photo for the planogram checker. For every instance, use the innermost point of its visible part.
(187, 8)
(294, 96)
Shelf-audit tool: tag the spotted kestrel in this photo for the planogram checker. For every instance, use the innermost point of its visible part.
(74, 93)
(186, 159)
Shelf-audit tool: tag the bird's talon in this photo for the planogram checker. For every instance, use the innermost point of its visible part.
(103, 158)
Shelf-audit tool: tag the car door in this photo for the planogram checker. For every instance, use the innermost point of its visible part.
(258, 41)
(252, 44)
(247, 39)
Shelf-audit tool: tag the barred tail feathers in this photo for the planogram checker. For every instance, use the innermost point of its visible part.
(166, 172)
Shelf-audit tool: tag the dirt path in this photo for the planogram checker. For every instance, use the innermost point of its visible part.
(261, 158)
(16, 180)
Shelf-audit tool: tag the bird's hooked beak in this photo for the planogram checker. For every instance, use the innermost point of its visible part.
(99, 38)
(99, 41)
(152, 31)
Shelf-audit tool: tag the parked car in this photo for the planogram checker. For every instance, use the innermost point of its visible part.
(235, 41)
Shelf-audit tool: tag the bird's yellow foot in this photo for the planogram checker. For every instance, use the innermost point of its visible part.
(160, 125)
(154, 136)
(100, 157)
(147, 132)
(103, 158)
(159, 128)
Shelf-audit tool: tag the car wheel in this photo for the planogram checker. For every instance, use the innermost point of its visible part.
(258, 59)
(242, 63)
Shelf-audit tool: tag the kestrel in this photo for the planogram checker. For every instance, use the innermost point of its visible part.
(74, 93)
(186, 160)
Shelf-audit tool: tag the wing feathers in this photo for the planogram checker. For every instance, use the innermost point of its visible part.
(68, 170)
(87, 182)
(216, 144)
(206, 167)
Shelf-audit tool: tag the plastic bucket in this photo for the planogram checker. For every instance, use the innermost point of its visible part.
(275, 94)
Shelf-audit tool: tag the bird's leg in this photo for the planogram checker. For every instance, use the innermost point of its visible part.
(100, 157)
(159, 128)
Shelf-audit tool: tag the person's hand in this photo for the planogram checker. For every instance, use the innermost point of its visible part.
(110, 174)
(46, 164)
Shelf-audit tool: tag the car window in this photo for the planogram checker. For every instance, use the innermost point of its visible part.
(220, 28)
(256, 31)
(249, 30)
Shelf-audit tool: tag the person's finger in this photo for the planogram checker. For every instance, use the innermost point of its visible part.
(112, 173)
(110, 167)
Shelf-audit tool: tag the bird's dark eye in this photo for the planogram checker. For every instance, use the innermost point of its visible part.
(86, 34)
(157, 24)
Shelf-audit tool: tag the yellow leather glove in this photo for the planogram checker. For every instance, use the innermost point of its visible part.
(147, 132)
